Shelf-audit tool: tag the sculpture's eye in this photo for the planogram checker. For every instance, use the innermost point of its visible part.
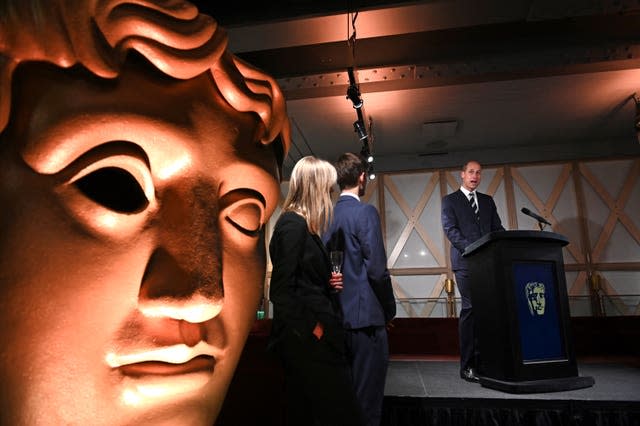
(245, 210)
(120, 182)
(246, 216)
(109, 190)
(113, 188)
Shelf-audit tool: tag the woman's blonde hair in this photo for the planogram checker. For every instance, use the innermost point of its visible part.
(310, 192)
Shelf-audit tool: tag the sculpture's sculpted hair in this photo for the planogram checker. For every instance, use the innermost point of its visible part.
(171, 34)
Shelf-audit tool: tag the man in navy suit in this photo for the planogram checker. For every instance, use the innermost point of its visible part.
(466, 216)
(367, 298)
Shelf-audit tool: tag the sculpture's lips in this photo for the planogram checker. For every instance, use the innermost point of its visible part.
(201, 363)
(163, 373)
(175, 359)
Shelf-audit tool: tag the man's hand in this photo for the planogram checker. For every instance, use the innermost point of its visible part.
(390, 325)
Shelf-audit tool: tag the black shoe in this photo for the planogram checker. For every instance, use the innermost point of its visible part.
(469, 374)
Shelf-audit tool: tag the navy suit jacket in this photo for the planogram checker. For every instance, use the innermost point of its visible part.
(367, 295)
(461, 226)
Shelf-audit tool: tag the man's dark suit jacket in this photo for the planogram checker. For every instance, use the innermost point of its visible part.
(461, 226)
(367, 294)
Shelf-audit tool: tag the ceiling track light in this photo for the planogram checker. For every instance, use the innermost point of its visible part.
(365, 153)
(370, 172)
(353, 92)
(358, 127)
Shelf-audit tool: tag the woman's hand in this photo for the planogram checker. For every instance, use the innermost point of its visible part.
(318, 330)
(335, 282)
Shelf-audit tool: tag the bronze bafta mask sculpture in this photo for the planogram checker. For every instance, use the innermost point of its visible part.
(139, 161)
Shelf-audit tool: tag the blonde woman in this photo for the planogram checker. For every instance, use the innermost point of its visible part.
(307, 329)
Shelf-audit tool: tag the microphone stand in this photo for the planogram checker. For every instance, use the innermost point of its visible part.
(541, 221)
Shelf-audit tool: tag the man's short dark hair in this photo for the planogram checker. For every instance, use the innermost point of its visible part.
(349, 167)
(464, 166)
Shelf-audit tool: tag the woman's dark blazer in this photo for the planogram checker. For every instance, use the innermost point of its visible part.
(299, 288)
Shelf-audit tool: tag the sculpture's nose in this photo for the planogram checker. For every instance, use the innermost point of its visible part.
(183, 277)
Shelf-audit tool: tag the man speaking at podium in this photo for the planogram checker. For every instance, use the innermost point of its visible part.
(466, 216)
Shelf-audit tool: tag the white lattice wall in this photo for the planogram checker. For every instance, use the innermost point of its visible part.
(595, 204)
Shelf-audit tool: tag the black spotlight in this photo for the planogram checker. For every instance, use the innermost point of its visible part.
(358, 126)
(370, 172)
(365, 153)
(353, 94)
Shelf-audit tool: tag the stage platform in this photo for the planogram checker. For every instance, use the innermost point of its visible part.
(424, 386)
(430, 392)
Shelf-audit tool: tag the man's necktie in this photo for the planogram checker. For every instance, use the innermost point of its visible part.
(472, 201)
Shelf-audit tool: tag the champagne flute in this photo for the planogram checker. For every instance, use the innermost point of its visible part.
(336, 261)
(336, 264)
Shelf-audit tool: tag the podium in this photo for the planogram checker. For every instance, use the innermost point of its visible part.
(521, 313)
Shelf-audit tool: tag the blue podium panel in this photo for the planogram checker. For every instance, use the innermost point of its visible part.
(536, 297)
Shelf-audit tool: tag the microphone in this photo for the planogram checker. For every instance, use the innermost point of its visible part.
(535, 216)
